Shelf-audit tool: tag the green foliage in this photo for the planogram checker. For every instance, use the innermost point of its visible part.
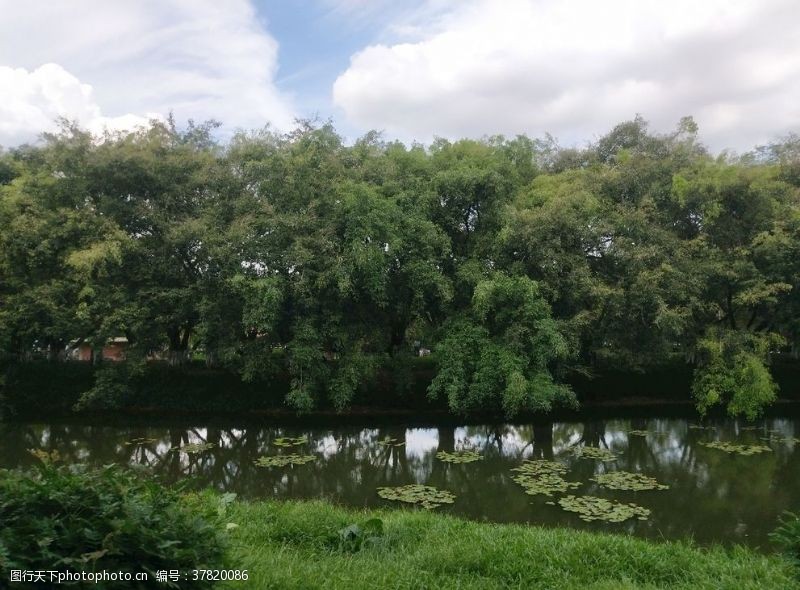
(108, 519)
(732, 370)
(787, 537)
(295, 258)
(354, 537)
(499, 354)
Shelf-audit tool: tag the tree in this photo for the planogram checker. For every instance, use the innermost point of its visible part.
(499, 354)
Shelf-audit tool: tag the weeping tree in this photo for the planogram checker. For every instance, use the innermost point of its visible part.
(500, 352)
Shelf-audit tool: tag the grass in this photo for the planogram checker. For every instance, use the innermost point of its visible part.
(288, 545)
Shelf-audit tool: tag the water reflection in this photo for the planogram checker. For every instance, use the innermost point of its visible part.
(713, 496)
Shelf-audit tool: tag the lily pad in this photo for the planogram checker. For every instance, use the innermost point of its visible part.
(594, 453)
(388, 441)
(539, 466)
(459, 456)
(283, 460)
(290, 441)
(624, 480)
(140, 441)
(638, 432)
(194, 448)
(545, 484)
(428, 497)
(700, 427)
(590, 508)
(729, 447)
(540, 476)
(781, 439)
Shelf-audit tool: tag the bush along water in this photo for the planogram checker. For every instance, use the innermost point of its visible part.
(72, 519)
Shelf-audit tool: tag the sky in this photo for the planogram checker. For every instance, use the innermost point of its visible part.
(414, 69)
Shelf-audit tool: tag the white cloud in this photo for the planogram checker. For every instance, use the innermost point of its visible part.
(577, 67)
(117, 62)
(31, 102)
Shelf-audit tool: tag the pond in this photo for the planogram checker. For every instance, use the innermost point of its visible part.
(699, 487)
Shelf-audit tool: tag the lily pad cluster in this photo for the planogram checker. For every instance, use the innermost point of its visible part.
(590, 508)
(388, 441)
(638, 432)
(625, 480)
(781, 439)
(290, 441)
(700, 427)
(428, 497)
(594, 453)
(729, 447)
(546, 484)
(194, 448)
(544, 477)
(140, 441)
(539, 466)
(283, 460)
(459, 456)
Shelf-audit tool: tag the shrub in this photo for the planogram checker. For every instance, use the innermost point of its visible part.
(76, 519)
(787, 536)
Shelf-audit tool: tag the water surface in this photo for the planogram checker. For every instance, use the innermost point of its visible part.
(714, 497)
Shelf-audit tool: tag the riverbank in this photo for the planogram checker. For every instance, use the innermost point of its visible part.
(291, 545)
(35, 390)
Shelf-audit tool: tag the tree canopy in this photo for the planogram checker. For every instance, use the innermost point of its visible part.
(515, 261)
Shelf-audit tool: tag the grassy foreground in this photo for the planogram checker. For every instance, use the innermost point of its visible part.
(296, 545)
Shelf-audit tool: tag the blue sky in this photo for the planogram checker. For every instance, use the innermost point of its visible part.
(316, 43)
(413, 69)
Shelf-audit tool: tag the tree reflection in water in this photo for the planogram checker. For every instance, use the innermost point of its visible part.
(713, 496)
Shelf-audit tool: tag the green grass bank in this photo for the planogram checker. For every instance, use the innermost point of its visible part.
(297, 545)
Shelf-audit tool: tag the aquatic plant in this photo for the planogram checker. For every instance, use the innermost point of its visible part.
(540, 476)
(193, 448)
(700, 427)
(545, 484)
(283, 460)
(624, 480)
(428, 497)
(141, 441)
(290, 441)
(459, 456)
(539, 466)
(781, 439)
(638, 432)
(388, 441)
(590, 508)
(594, 453)
(729, 447)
